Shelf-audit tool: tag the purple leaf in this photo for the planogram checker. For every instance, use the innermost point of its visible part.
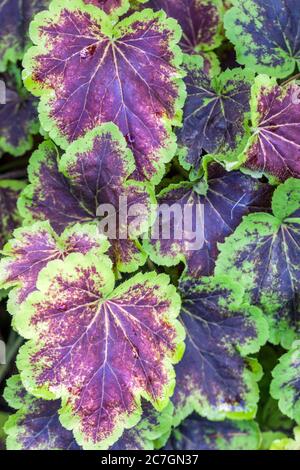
(215, 378)
(89, 71)
(116, 346)
(110, 6)
(225, 199)
(274, 147)
(94, 171)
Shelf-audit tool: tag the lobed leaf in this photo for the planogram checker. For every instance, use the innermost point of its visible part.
(216, 208)
(285, 386)
(88, 71)
(215, 113)
(266, 35)
(94, 171)
(274, 147)
(196, 433)
(82, 334)
(263, 256)
(215, 378)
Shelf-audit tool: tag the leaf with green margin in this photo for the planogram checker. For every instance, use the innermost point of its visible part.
(10, 219)
(15, 16)
(32, 248)
(94, 171)
(216, 206)
(266, 35)
(127, 73)
(18, 116)
(287, 443)
(274, 147)
(285, 386)
(115, 7)
(215, 113)
(197, 433)
(36, 424)
(201, 22)
(120, 348)
(263, 255)
(216, 378)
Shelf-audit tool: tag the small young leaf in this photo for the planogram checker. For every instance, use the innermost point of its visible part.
(36, 425)
(201, 22)
(18, 116)
(94, 171)
(285, 386)
(215, 377)
(15, 16)
(197, 433)
(215, 112)
(263, 255)
(10, 219)
(287, 443)
(266, 35)
(225, 199)
(99, 350)
(274, 147)
(89, 71)
(32, 248)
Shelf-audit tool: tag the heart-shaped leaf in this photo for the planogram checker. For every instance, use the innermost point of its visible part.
(197, 433)
(215, 112)
(207, 214)
(263, 255)
(215, 376)
(266, 35)
(89, 71)
(93, 173)
(285, 386)
(274, 147)
(115, 345)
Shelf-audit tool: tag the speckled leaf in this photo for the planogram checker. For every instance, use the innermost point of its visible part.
(15, 16)
(263, 255)
(89, 71)
(285, 386)
(201, 22)
(36, 425)
(10, 219)
(266, 34)
(120, 347)
(95, 170)
(117, 7)
(225, 200)
(18, 116)
(32, 248)
(215, 377)
(215, 112)
(197, 433)
(275, 145)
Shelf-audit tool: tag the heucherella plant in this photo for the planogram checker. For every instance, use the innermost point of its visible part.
(149, 225)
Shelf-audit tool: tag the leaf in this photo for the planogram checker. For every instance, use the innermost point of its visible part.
(263, 255)
(200, 20)
(215, 377)
(15, 16)
(225, 199)
(285, 386)
(18, 116)
(274, 147)
(36, 424)
(287, 443)
(197, 433)
(266, 35)
(94, 171)
(32, 248)
(215, 113)
(10, 219)
(117, 7)
(120, 347)
(114, 64)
